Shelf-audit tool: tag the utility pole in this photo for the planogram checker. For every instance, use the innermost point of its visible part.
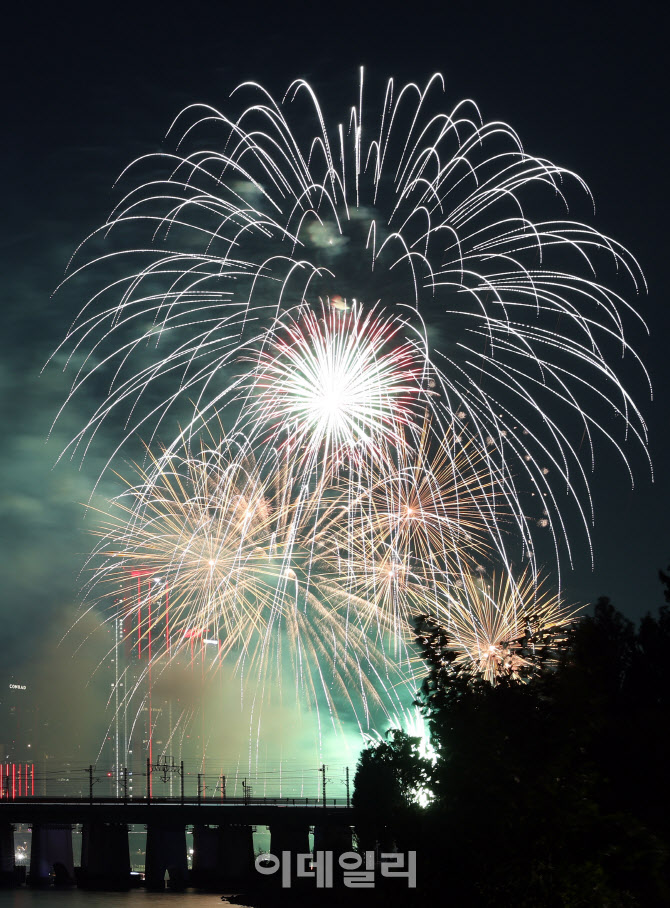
(347, 781)
(148, 780)
(323, 782)
(199, 790)
(125, 784)
(116, 706)
(90, 785)
(182, 783)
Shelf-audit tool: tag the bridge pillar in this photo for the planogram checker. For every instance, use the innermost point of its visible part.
(238, 853)
(105, 856)
(289, 835)
(222, 855)
(205, 871)
(332, 838)
(51, 851)
(6, 854)
(166, 851)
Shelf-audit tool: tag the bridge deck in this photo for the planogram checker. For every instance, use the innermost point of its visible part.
(190, 811)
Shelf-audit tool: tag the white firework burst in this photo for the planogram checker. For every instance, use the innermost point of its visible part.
(431, 213)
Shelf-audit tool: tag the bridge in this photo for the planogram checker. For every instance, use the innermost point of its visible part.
(223, 852)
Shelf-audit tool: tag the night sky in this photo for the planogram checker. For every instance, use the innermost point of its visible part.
(86, 90)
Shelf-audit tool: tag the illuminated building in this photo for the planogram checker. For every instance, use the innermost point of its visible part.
(147, 718)
(20, 727)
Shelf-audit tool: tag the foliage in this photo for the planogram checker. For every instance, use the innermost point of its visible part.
(550, 790)
(388, 776)
(394, 765)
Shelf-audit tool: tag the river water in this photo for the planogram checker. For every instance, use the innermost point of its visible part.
(76, 898)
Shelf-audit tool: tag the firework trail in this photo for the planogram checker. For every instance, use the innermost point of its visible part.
(374, 451)
(250, 572)
(431, 213)
(495, 627)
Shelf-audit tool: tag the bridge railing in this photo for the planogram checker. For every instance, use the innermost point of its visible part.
(169, 781)
(186, 801)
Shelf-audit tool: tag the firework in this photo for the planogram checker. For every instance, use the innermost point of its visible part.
(402, 358)
(245, 570)
(498, 627)
(337, 390)
(392, 545)
(431, 213)
(437, 509)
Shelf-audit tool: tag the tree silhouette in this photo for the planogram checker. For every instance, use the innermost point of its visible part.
(388, 776)
(550, 790)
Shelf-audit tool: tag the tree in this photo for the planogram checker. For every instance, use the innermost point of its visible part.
(551, 784)
(542, 791)
(665, 580)
(389, 774)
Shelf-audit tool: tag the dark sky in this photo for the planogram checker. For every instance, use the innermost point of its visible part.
(87, 89)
